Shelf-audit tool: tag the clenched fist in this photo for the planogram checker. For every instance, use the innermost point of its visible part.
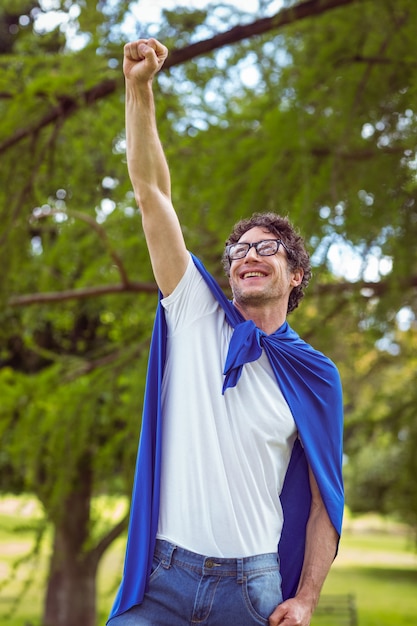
(143, 59)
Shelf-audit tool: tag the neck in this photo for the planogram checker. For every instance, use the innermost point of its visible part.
(265, 319)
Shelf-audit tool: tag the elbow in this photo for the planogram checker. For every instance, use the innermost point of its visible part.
(149, 197)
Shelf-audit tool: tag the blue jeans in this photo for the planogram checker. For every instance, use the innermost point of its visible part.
(186, 588)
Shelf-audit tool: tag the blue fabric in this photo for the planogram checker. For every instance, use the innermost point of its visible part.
(311, 386)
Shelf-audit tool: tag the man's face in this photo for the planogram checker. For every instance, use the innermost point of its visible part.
(256, 280)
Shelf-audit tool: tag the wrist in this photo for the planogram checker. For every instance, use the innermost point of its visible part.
(135, 83)
(139, 91)
(308, 597)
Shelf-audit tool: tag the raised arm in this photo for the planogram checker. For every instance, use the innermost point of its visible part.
(148, 169)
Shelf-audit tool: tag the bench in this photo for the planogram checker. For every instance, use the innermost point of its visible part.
(336, 610)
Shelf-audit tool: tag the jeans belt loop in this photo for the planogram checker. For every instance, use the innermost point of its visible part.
(169, 554)
(240, 570)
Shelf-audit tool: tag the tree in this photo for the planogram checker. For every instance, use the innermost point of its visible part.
(326, 132)
(383, 431)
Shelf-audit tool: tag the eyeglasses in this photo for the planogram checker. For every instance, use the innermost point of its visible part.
(266, 247)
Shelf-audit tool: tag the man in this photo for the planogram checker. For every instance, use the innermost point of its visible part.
(241, 436)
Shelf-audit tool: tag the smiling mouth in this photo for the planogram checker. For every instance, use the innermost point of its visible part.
(253, 275)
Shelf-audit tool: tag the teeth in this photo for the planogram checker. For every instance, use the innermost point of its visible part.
(253, 274)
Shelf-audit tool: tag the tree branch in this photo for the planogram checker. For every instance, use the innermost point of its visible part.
(27, 188)
(121, 356)
(367, 290)
(99, 230)
(370, 65)
(328, 317)
(376, 60)
(68, 105)
(81, 294)
(97, 552)
(65, 108)
(300, 11)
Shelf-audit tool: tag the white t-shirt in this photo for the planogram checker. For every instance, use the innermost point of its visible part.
(224, 457)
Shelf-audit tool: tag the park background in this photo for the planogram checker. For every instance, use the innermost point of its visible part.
(303, 107)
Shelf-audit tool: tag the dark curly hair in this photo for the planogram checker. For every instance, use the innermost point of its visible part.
(281, 227)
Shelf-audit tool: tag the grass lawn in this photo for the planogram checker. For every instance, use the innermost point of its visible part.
(384, 596)
(21, 578)
(375, 563)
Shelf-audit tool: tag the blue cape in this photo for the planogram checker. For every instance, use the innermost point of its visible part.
(311, 386)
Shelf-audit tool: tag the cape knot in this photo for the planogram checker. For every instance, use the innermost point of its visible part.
(245, 346)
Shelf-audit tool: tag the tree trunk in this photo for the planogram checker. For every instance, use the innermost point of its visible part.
(71, 591)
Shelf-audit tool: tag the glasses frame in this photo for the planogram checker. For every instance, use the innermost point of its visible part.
(255, 245)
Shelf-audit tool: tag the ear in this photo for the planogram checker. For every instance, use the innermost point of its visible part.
(297, 277)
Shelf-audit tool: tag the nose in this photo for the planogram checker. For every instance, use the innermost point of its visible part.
(252, 254)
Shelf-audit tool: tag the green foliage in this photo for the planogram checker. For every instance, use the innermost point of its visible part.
(383, 436)
(316, 120)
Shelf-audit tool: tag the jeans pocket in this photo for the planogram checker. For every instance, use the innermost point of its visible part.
(156, 567)
(263, 593)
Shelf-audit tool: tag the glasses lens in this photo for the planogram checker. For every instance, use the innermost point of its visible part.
(238, 250)
(267, 247)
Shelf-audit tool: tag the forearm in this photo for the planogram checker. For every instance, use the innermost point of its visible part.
(321, 545)
(147, 166)
(320, 550)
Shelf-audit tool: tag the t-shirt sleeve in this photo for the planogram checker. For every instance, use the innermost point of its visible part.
(190, 300)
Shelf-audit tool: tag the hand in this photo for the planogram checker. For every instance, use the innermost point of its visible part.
(143, 59)
(292, 612)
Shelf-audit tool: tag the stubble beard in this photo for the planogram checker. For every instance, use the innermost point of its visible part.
(272, 292)
(253, 299)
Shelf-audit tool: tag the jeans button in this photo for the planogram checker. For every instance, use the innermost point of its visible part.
(209, 563)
